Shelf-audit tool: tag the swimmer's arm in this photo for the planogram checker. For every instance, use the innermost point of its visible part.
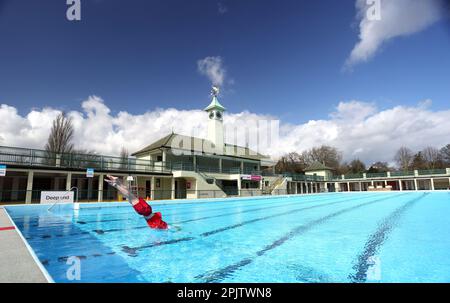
(117, 183)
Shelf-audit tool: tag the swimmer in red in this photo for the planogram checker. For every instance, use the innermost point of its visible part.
(154, 220)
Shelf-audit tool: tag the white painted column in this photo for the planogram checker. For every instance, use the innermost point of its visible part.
(239, 184)
(432, 183)
(194, 162)
(242, 167)
(15, 189)
(337, 188)
(348, 186)
(400, 185)
(100, 188)
(415, 185)
(385, 183)
(220, 165)
(68, 181)
(301, 187)
(173, 188)
(29, 194)
(152, 189)
(164, 157)
(360, 186)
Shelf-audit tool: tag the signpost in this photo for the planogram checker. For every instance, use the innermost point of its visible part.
(2, 170)
(90, 173)
(54, 197)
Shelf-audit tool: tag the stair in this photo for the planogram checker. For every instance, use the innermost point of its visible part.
(279, 181)
(207, 185)
(208, 179)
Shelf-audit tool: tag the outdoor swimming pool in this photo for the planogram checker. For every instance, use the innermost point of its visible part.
(336, 237)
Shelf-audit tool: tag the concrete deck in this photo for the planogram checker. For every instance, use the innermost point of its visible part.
(17, 265)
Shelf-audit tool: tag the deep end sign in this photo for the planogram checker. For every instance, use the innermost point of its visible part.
(51, 197)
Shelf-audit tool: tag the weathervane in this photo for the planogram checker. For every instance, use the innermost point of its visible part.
(215, 91)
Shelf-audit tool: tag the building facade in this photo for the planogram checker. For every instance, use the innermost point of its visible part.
(184, 167)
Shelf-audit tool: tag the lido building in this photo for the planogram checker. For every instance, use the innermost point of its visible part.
(184, 167)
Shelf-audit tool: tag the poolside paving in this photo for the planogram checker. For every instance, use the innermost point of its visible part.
(16, 262)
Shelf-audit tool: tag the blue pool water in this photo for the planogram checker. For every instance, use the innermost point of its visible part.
(337, 237)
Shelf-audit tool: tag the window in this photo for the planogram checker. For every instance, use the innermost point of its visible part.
(158, 158)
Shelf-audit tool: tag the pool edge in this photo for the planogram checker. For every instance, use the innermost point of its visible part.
(30, 250)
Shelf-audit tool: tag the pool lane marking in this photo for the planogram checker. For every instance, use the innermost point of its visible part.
(220, 274)
(102, 232)
(132, 251)
(261, 208)
(7, 228)
(83, 222)
(377, 239)
(216, 202)
(131, 212)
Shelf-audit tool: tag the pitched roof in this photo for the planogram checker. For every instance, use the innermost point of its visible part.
(215, 104)
(317, 166)
(176, 141)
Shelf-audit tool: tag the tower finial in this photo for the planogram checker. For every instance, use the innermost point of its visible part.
(215, 91)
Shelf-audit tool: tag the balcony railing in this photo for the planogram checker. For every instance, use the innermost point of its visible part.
(432, 172)
(300, 177)
(44, 159)
(376, 175)
(214, 169)
(354, 176)
(402, 173)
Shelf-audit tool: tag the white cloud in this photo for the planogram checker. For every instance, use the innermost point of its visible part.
(398, 18)
(357, 128)
(212, 67)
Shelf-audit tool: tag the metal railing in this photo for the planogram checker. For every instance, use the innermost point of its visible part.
(354, 176)
(45, 159)
(300, 177)
(402, 173)
(432, 172)
(376, 175)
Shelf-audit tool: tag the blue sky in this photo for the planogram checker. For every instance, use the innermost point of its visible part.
(283, 58)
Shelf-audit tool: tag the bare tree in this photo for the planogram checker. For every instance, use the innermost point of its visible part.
(124, 155)
(59, 140)
(61, 135)
(357, 166)
(433, 157)
(404, 158)
(379, 167)
(445, 152)
(328, 155)
(419, 161)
